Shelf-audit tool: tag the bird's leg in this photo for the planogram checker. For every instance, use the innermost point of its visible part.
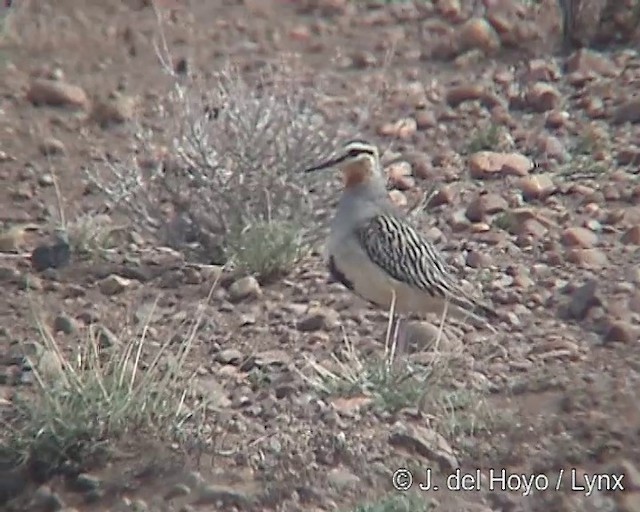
(392, 327)
(394, 341)
(436, 345)
(399, 338)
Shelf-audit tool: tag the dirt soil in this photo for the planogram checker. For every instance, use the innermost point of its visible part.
(556, 249)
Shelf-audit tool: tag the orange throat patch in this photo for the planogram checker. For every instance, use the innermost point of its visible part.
(354, 175)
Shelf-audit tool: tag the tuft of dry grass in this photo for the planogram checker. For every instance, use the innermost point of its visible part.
(82, 403)
(396, 502)
(393, 382)
(484, 139)
(93, 234)
(267, 249)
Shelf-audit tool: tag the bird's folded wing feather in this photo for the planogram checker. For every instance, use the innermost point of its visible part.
(407, 256)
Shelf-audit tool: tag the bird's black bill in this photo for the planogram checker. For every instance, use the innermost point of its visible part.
(327, 164)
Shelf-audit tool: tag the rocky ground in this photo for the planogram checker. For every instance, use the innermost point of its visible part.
(466, 95)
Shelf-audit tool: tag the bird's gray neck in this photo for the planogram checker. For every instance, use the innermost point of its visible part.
(370, 190)
(363, 201)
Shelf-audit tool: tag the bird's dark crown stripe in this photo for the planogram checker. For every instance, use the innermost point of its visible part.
(358, 146)
(353, 148)
(361, 142)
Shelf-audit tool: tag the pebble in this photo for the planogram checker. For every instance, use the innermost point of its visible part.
(592, 62)
(622, 332)
(402, 129)
(542, 97)
(422, 334)
(588, 258)
(106, 337)
(443, 196)
(552, 147)
(113, 285)
(489, 164)
(451, 10)
(55, 93)
(627, 112)
(342, 479)
(230, 356)
(477, 259)
(46, 180)
(51, 146)
(399, 176)
(177, 491)
(462, 93)
(118, 109)
(226, 496)
(85, 482)
(425, 119)
(398, 198)
(582, 300)
(300, 33)
(458, 220)
(13, 239)
(45, 500)
(477, 33)
(485, 204)
(319, 319)
(557, 119)
(65, 324)
(245, 288)
(631, 236)
(541, 70)
(536, 187)
(579, 237)
(44, 257)
(422, 166)
(274, 357)
(424, 442)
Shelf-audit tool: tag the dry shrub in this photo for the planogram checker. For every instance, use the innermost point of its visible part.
(230, 183)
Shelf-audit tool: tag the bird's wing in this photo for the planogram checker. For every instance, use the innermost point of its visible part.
(407, 256)
(404, 254)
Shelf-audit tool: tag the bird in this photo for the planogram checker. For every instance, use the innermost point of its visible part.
(376, 253)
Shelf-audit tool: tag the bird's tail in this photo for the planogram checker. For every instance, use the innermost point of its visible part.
(479, 313)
